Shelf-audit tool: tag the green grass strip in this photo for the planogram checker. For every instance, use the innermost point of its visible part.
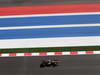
(52, 49)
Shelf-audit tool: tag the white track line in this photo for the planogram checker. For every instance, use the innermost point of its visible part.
(50, 42)
(41, 15)
(48, 26)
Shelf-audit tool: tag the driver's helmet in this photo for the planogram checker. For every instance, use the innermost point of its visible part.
(49, 61)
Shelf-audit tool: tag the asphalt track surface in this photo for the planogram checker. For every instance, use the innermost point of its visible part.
(42, 2)
(69, 65)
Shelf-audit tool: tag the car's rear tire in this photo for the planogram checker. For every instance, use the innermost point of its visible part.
(42, 65)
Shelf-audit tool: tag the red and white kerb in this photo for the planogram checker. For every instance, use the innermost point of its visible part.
(49, 53)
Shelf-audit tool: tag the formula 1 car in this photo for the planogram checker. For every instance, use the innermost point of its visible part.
(49, 63)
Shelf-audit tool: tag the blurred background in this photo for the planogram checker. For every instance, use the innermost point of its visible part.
(40, 2)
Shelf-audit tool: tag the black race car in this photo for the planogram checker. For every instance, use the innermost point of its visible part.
(49, 63)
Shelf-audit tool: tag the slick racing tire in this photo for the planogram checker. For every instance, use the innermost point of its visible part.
(42, 65)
